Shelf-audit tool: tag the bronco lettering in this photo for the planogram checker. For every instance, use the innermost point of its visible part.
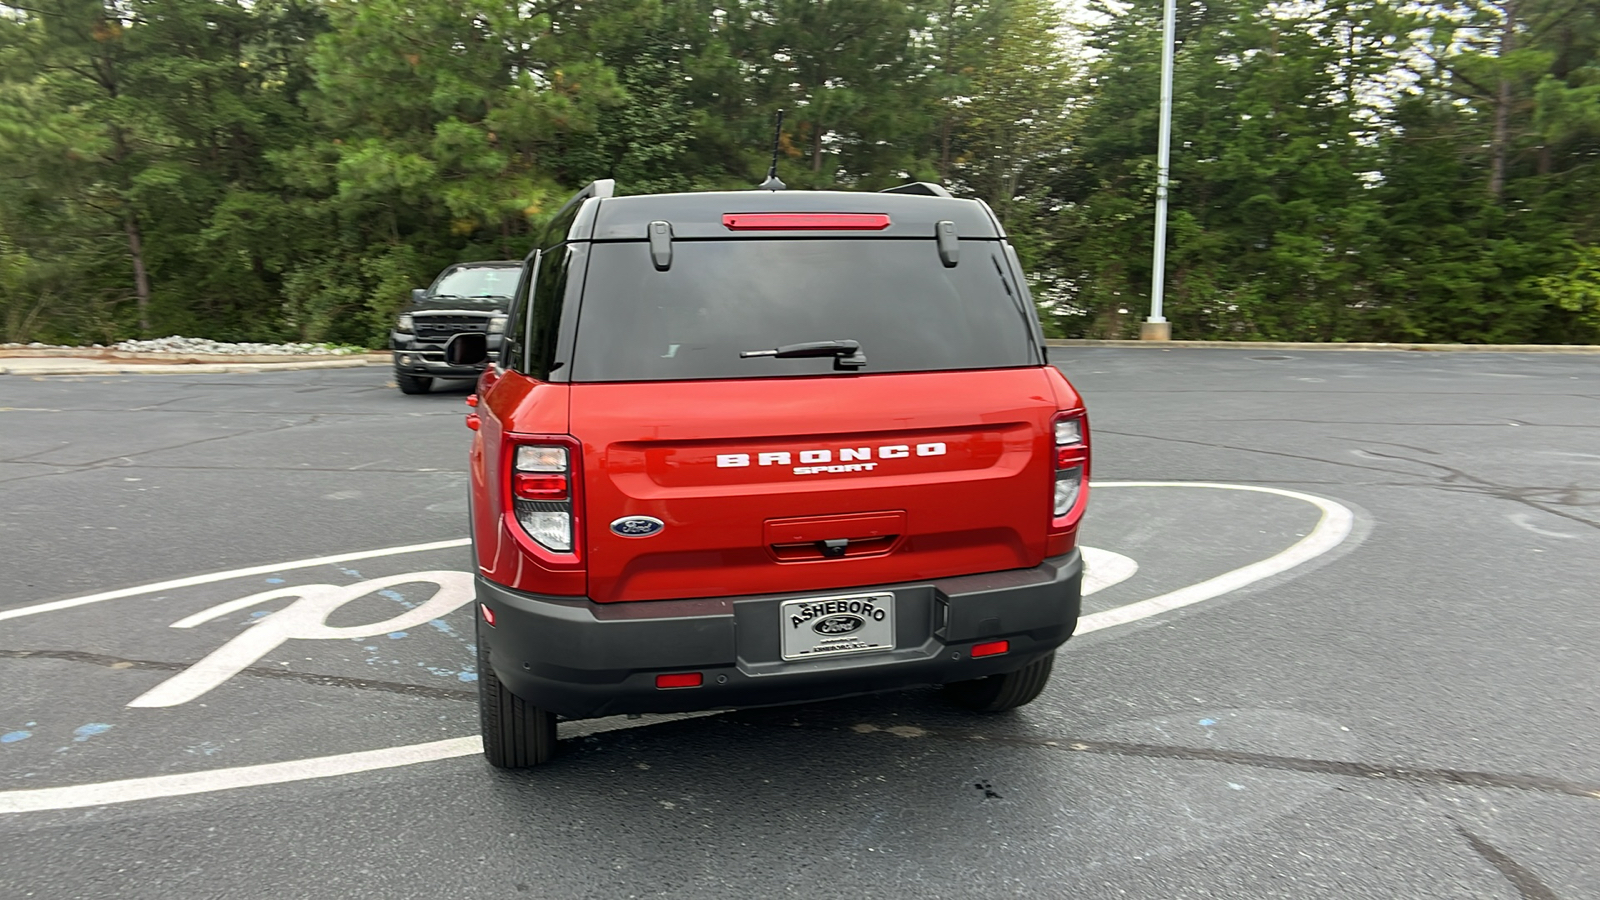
(846, 455)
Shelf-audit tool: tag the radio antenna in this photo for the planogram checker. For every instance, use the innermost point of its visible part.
(773, 183)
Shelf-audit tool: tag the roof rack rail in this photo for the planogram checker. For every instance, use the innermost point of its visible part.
(602, 189)
(925, 188)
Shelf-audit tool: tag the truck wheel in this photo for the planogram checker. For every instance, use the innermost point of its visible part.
(413, 384)
(516, 734)
(997, 693)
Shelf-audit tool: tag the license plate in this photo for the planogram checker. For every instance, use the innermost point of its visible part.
(834, 626)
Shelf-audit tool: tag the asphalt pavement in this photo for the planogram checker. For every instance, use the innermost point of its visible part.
(1342, 642)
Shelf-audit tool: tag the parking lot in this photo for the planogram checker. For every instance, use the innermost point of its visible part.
(1342, 642)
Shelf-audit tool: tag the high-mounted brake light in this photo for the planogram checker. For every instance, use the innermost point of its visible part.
(805, 221)
(541, 494)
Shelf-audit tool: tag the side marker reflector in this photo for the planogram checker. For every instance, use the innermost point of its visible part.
(992, 648)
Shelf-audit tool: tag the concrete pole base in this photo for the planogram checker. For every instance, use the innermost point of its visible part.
(1155, 331)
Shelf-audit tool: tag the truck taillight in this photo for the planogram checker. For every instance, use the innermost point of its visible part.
(1071, 431)
(541, 493)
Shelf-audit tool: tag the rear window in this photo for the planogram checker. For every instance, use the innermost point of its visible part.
(909, 312)
(487, 283)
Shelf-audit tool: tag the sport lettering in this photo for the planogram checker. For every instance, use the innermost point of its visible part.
(817, 470)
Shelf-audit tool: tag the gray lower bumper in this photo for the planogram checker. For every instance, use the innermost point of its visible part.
(583, 659)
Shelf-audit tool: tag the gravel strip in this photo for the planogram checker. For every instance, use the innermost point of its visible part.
(178, 344)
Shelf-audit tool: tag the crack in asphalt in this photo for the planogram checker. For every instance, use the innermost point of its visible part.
(70, 467)
(157, 406)
(1163, 391)
(1214, 446)
(1504, 492)
(1528, 885)
(245, 412)
(1399, 774)
(107, 461)
(1451, 482)
(152, 665)
(1500, 424)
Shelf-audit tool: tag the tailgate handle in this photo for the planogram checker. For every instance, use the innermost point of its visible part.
(848, 536)
(949, 244)
(661, 245)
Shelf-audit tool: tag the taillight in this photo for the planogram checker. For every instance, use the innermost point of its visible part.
(541, 493)
(1071, 432)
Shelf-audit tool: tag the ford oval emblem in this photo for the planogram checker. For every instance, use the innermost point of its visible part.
(637, 526)
(838, 624)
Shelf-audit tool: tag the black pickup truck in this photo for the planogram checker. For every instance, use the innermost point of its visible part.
(466, 297)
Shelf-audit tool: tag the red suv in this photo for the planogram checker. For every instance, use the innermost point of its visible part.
(752, 448)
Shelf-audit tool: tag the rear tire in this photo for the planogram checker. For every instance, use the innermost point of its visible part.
(998, 693)
(516, 734)
(413, 384)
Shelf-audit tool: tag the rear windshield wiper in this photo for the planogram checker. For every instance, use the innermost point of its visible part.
(846, 354)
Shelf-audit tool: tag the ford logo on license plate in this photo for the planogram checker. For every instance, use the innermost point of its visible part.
(838, 624)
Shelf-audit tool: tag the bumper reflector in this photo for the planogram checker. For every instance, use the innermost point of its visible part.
(992, 648)
(488, 614)
(680, 680)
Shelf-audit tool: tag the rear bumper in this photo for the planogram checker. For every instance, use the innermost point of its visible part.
(582, 659)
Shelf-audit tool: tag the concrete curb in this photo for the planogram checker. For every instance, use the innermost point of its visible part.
(86, 367)
(1289, 345)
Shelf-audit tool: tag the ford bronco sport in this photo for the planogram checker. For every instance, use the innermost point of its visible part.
(466, 297)
(763, 447)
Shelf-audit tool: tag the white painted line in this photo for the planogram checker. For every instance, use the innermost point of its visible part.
(127, 790)
(224, 576)
(1330, 532)
(130, 789)
(1522, 520)
(304, 619)
(1102, 569)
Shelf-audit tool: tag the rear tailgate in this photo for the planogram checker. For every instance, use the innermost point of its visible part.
(800, 484)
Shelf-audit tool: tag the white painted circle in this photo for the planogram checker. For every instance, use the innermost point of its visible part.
(1330, 531)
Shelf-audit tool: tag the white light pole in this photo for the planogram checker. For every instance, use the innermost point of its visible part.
(1157, 328)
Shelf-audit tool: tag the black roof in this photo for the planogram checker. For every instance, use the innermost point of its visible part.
(700, 215)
